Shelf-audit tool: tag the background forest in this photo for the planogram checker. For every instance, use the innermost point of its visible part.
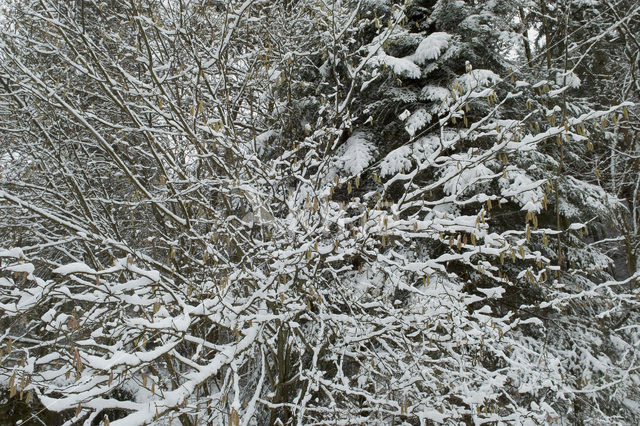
(277, 212)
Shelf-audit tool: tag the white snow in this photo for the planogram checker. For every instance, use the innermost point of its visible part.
(434, 93)
(74, 268)
(572, 80)
(466, 179)
(492, 293)
(431, 47)
(21, 267)
(395, 161)
(15, 252)
(417, 121)
(355, 154)
(403, 67)
(478, 78)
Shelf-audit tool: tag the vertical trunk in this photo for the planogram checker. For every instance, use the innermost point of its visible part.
(525, 38)
(543, 9)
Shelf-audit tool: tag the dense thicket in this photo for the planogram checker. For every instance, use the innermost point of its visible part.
(332, 212)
